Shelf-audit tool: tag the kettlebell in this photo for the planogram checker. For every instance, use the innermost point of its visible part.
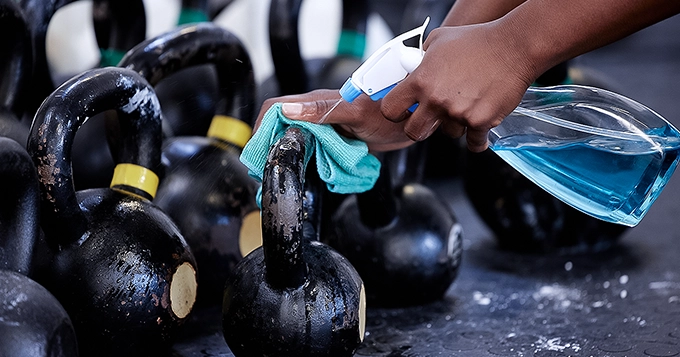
(206, 190)
(121, 268)
(119, 26)
(294, 75)
(32, 322)
(37, 14)
(291, 297)
(526, 219)
(403, 240)
(15, 71)
(189, 97)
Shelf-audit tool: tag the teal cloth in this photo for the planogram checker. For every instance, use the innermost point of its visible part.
(343, 164)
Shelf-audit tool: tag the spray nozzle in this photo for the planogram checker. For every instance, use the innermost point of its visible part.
(386, 67)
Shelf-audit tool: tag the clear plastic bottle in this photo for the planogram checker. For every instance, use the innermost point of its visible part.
(600, 152)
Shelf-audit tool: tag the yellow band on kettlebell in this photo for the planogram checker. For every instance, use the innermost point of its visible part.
(230, 130)
(135, 176)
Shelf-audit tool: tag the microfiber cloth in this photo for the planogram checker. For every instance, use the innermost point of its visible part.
(344, 164)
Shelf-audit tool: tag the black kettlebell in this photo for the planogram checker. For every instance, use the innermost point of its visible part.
(38, 14)
(32, 322)
(525, 218)
(291, 297)
(403, 240)
(121, 268)
(206, 190)
(119, 26)
(15, 71)
(190, 96)
(294, 75)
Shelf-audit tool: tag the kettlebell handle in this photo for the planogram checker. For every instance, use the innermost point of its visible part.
(289, 66)
(16, 59)
(282, 210)
(57, 121)
(198, 44)
(118, 26)
(19, 207)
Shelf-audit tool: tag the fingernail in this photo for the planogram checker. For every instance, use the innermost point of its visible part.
(291, 109)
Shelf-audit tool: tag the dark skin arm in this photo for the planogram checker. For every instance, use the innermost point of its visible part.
(473, 76)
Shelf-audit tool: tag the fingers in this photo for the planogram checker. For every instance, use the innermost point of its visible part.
(308, 113)
(452, 128)
(477, 139)
(396, 103)
(419, 130)
(314, 112)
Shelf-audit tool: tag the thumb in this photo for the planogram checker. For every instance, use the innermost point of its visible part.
(313, 111)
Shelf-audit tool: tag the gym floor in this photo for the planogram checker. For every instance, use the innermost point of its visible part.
(622, 302)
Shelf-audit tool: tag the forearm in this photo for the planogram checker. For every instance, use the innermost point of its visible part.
(468, 12)
(551, 31)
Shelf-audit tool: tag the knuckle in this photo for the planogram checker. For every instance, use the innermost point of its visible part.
(320, 106)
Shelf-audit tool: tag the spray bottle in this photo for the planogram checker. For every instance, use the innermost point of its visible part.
(598, 151)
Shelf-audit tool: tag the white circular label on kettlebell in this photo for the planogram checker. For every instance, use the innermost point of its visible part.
(362, 313)
(183, 290)
(453, 246)
(250, 236)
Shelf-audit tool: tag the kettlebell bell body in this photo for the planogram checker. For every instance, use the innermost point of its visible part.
(121, 268)
(206, 189)
(525, 218)
(32, 322)
(404, 241)
(291, 297)
(210, 196)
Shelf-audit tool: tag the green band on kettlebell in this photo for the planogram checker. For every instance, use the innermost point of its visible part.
(190, 16)
(110, 57)
(135, 176)
(352, 43)
(230, 129)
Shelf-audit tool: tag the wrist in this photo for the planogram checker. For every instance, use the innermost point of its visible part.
(531, 41)
(511, 44)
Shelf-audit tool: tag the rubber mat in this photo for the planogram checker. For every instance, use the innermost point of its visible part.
(623, 302)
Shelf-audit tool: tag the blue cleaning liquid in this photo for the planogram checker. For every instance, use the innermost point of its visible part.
(610, 179)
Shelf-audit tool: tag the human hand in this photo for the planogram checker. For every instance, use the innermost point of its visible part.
(470, 79)
(360, 119)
